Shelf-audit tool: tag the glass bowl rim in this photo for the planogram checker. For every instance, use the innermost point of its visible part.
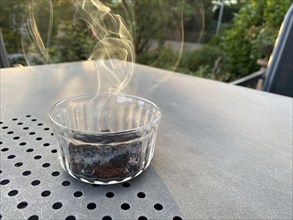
(126, 131)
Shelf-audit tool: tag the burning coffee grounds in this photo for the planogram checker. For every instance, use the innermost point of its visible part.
(106, 157)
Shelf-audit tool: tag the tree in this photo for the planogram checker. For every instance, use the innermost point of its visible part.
(254, 28)
(198, 20)
(156, 19)
(11, 14)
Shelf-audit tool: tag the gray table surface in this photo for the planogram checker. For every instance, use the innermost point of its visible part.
(222, 151)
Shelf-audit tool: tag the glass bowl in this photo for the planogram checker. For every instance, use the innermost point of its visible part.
(105, 139)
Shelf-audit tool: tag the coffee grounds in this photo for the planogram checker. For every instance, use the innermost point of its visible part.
(105, 162)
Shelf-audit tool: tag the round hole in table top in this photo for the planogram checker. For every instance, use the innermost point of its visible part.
(45, 193)
(11, 156)
(33, 217)
(141, 195)
(4, 182)
(57, 205)
(126, 184)
(18, 164)
(37, 157)
(107, 217)
(91, 206)
(46, 165)
(35, 182)
(55, 173)
(70, 217)
(78, 194)
(66, 183)
(22, 205)
(110, 194)
(125, 206)
(13, 192)
(4, 149)
(158, 206)
(26, 173)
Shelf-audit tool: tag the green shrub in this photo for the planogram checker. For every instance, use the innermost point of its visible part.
(212, 73)
(75, 44)
(207, 62)
(205, 56)
(164, 58)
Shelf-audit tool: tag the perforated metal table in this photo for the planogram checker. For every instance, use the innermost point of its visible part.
(222, 151)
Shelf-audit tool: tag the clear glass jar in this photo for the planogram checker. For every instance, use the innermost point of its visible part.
(105, 139)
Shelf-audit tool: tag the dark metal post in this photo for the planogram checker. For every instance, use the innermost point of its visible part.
(3, 54)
